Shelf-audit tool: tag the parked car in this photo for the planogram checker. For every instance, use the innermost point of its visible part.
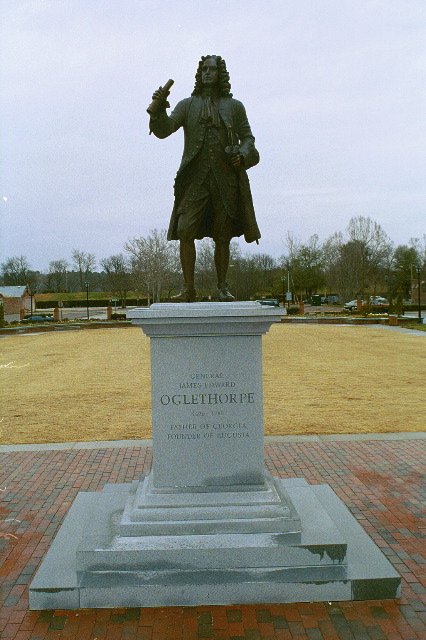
(316, 300)
(374, 300)
(352, 305)
(269, 303)
(36, 318)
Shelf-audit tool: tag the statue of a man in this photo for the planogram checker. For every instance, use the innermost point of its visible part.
(212, 191)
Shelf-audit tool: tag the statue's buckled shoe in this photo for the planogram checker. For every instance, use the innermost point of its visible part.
(224, 294)
(186, 295)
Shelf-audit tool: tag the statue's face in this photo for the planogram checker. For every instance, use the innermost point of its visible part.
(209, 72)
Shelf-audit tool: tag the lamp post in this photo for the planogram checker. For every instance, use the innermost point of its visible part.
(288, 288)
(87, 284)
(283, 283)
(288, 294)
(31, 292)
(391, 288)
(418, 269)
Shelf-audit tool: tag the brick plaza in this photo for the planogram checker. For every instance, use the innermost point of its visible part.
(381, 481)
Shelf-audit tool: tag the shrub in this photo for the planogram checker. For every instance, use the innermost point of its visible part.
(101, 302)
(293, 311)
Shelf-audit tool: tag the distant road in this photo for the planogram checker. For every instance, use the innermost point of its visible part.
(73, 313)
(99, 313)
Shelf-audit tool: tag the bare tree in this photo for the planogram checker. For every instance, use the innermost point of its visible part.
(376, 246)
(358, 260)
(252, 274)
(84, 264)
(264, 267)
(400, 274)
(345, 273)
(305, 263)
(292, 245)
(118, 276)
(243, 277)
(16, 271)
(57, 275)
(419, 247)
(154, 264)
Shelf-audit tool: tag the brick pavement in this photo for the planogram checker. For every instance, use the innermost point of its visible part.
(381, 482)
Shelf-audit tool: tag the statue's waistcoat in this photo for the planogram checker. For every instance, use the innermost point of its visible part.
(209, 158)
(188, 114)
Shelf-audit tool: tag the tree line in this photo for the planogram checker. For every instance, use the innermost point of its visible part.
(358, 262)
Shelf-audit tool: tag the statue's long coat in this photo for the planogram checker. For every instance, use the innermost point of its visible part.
(187, 114)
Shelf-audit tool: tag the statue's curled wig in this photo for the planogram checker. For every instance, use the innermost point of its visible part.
(224, 83)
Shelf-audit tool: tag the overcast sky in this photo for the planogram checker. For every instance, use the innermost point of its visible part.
(335, 92)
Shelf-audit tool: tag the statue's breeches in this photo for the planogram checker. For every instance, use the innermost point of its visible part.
(203, 212)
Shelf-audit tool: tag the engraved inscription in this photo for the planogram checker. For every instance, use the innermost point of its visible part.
(207, 398)
(215, 430)
(208, 404)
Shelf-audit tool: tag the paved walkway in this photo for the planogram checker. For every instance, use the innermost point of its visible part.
(380, 479)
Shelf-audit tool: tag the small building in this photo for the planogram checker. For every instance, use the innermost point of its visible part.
(16, 298)
(415, 291)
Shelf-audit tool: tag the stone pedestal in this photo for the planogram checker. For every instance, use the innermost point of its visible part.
(208, 525)
(208, 473)
(207, 413)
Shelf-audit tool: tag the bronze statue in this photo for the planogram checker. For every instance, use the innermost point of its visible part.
(212, 190)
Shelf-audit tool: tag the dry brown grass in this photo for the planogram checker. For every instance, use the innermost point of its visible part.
(95, 384)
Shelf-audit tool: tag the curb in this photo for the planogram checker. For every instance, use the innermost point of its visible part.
(105, 324)
(344, 320)
(268, 440)
(71, 326)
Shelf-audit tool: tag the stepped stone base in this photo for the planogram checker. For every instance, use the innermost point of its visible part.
(131, 546)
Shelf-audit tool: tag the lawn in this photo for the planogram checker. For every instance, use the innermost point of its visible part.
(87, 385)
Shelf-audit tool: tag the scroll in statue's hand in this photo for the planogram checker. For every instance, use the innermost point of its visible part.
(159, 99)
(160, 95)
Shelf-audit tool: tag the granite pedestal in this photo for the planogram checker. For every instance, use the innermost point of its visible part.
(209, 525)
